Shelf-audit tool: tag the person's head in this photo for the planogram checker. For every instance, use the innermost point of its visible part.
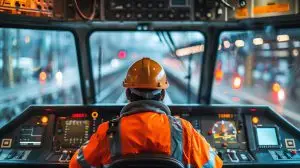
(145, 80)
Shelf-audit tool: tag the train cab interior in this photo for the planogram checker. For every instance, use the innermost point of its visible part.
(233, 67)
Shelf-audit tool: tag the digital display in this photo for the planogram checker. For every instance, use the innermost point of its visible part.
(225, 116)
(31, 136)
(76, 132)
(267, 136)
(79, 115)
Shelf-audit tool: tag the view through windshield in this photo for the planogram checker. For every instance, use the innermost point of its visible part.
(252, 67)
(36, 67)
(180, 53)
(260, 68)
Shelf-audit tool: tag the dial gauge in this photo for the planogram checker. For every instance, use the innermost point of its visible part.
(224, 131)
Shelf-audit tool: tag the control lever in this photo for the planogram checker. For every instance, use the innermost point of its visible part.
(232, 156)
(64, 157)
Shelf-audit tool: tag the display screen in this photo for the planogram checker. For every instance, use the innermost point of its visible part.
(31, 136)
(267, 136)
(76, 132)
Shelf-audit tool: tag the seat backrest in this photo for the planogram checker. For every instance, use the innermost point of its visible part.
(146, 161)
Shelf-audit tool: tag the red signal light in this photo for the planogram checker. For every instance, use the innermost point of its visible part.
(237, 82)
(122, 54)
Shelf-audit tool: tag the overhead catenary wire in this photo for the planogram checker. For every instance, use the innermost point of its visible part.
(82, 15)
(227, 4)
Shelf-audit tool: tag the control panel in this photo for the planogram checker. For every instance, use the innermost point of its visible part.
(241, 136)
(28, 7)
(227, 134)
(149, 10)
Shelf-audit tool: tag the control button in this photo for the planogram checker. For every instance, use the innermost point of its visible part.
(232, 156)
(6, 143)
(255, 120)
(44, 119)
(209, 132)
(59, 130)
(244, 157)
(224, 145)
(293, 152)
(290, 143)
(95, 115)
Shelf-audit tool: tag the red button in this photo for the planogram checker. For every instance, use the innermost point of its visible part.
(293, 152)
(209, 132)
(224, 145)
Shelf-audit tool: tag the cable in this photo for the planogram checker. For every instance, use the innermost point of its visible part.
(82, 15)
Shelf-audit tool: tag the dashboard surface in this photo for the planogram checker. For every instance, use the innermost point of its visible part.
(243, 136)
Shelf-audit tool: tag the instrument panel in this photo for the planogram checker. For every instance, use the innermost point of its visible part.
(242, 136)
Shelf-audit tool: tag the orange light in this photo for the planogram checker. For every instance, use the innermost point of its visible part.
(255, 120)
(276, 87)
(219, 75)
(225, 116)
(237, 82)
(95, 115)
(43, 76)
(44, 119)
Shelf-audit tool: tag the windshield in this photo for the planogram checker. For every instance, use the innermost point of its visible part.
(260, 68)
(36, 67)
(180, 53)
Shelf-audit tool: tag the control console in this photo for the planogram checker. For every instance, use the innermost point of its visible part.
(243, 136)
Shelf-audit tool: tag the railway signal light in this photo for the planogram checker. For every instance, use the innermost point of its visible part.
(281, 95)
(276, 87)
(237, 82)
(219, 75)
(122, 54)
(43, 76)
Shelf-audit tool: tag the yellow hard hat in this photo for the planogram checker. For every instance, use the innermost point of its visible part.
(146, 74)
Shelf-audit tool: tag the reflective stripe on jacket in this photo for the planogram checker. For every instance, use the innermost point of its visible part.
(145, 127)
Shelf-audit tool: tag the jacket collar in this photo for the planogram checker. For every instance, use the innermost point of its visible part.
(145, 106)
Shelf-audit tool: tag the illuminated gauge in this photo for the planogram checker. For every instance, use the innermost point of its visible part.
(224, 131)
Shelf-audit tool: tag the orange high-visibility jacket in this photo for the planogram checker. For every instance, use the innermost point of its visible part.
(147, 127)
